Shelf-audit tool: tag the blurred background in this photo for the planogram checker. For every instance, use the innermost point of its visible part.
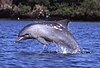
(84, 10)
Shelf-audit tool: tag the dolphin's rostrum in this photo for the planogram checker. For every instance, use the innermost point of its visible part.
(50, 31)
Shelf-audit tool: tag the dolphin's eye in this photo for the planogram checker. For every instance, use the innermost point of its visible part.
(26, 34)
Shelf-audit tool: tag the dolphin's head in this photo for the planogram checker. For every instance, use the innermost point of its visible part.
(23, 37)
(24, 34)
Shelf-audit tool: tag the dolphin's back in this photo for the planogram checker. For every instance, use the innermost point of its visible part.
(49, 23)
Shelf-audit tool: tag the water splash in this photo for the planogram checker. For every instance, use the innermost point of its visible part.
(63, 50)
(57, 49)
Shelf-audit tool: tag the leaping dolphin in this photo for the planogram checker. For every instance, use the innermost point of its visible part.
(50, 31)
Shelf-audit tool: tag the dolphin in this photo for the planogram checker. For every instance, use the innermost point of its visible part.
(51, 31)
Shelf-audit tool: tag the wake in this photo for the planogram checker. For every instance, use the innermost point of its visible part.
(58, 49)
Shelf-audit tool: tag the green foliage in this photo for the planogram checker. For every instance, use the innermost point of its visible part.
(41, 2)
(91, 6)
(63, 7)
(24, 8)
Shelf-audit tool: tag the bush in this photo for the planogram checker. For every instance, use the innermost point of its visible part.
(24, 8)
(91, 6)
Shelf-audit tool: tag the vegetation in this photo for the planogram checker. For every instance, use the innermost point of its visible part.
(73, 9)
(24, 9)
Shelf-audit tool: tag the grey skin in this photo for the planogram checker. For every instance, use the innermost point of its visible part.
(50, 31)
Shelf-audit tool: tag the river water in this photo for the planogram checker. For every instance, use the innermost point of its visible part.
(26, 53)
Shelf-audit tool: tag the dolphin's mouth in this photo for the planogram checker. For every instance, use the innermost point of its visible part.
(20, 38)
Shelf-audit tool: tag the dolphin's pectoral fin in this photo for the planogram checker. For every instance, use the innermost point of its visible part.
(42, 40)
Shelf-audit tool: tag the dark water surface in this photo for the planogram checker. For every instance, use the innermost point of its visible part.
(26, 53)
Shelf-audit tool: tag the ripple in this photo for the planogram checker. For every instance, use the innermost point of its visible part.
(28, 55)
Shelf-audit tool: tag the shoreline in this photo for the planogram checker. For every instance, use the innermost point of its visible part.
(52, 18)
(44, 20)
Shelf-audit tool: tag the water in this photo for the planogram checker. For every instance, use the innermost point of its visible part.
(26, 53)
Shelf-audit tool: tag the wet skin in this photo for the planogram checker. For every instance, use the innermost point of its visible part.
(50, 31)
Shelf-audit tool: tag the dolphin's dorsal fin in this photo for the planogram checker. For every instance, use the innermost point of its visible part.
(63, 23)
